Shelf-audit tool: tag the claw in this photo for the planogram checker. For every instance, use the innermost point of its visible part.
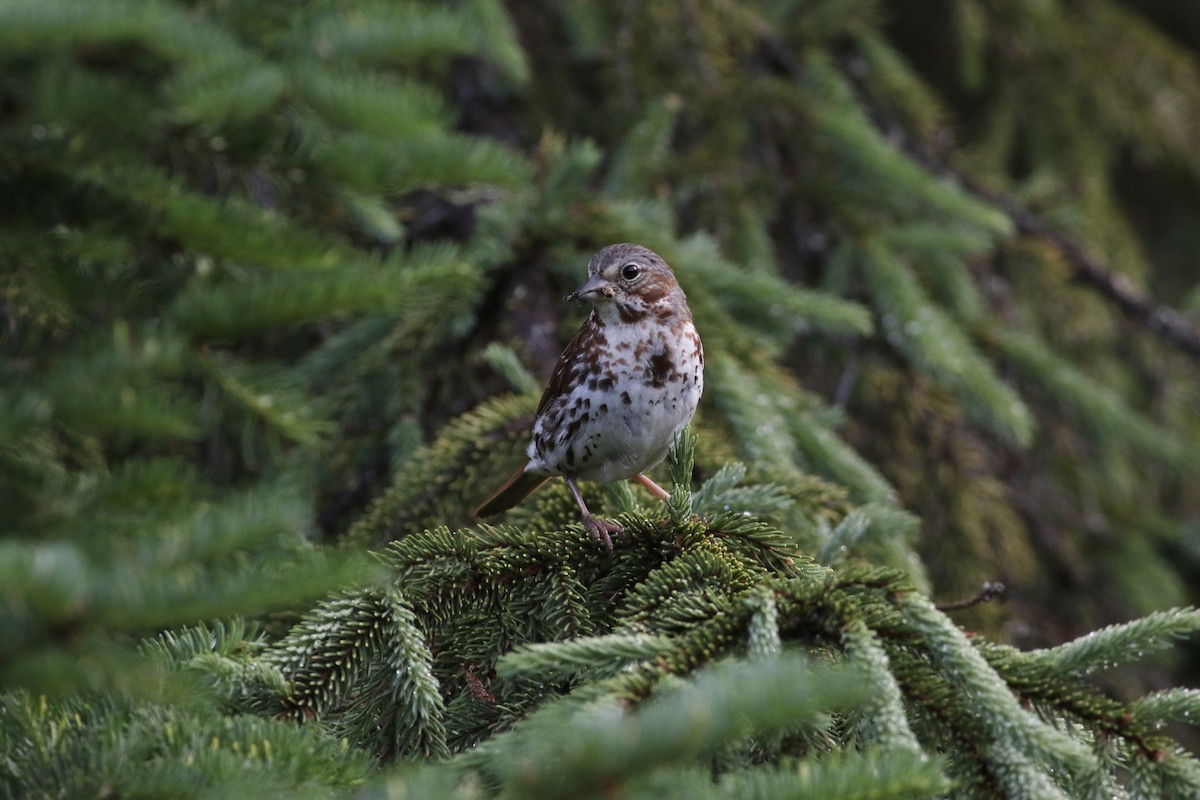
(602, 530)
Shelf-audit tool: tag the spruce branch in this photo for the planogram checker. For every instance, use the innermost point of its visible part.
(208, 173)
(607, 653)
(398, 712)
(846, 131)
(1179, 772)
(372, 102)
(1019, 743)
(875, 774)
(825, 450)
(1172, 326)
(94, 747)
(637, 164)
(884, 721)
(1115, 645)
(223, 86)
(1096, 405)
(845, 536)
(762, 634)
(1044, 686)
(267, 393)
(721, 706)
(1169, 705)
(323, 655)
(723, 493)
(174, 647)
(682, 458)
(744, 295)
(779, 426)
(389, 35)
(928, 336)
(430, 491)
(227, 652)
(504, 360)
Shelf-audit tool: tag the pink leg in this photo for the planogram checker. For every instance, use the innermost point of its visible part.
(654, 488)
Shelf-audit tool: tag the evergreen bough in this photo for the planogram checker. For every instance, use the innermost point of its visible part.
(268, 271)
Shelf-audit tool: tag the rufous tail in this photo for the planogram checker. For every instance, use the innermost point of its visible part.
(519, 486)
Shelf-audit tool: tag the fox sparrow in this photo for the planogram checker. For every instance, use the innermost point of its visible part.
(626, 384)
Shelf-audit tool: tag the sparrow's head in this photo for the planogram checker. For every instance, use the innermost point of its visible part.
(629, 282)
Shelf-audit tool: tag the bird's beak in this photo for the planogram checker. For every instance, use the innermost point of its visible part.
(595, 287)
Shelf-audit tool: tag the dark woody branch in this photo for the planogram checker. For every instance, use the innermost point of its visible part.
(1174, 327)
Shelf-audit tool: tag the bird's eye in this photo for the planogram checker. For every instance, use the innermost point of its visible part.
(630, 271)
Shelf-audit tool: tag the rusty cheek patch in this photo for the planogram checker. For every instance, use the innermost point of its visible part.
(654, 290)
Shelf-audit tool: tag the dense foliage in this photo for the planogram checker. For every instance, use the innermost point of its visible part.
(279, 286)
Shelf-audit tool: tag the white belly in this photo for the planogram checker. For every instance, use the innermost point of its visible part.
(611, 432)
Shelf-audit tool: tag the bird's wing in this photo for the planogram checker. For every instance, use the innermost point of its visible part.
(569, 367)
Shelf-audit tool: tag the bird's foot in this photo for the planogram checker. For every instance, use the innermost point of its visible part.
(602, 530)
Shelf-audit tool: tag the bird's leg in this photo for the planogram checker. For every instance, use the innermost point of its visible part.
(657, 490)
(654, 488)
(601, 530)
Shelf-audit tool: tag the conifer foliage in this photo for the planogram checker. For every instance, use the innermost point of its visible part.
(279, 283)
